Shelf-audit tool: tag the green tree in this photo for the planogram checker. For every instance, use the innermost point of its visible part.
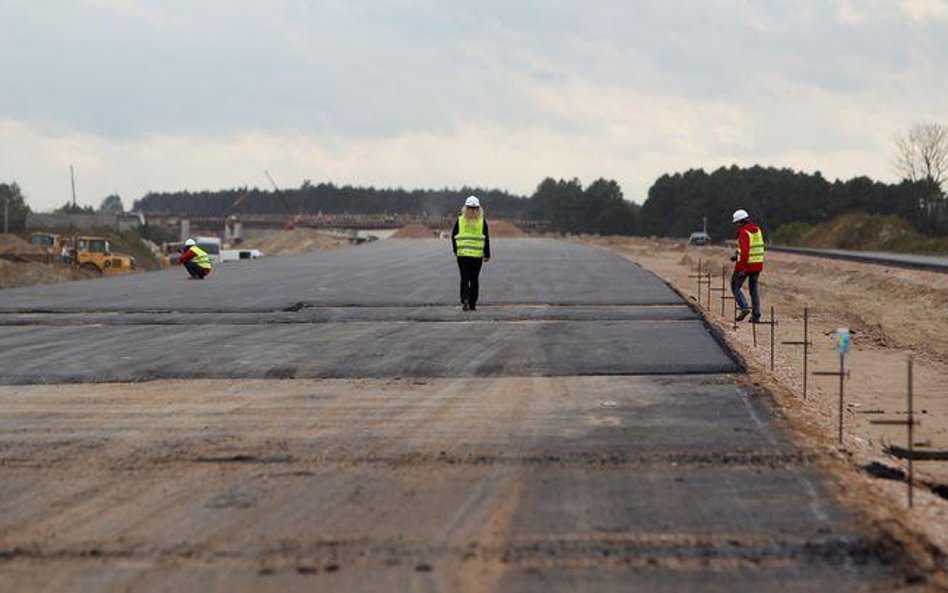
(112, 203)
(606, 212)
(16, 207)
(70, 208)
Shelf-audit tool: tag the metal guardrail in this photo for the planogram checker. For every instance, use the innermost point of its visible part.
(918, 262)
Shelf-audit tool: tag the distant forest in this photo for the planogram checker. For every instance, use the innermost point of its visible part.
(598, 208)
(675, 205)
(330, 199)
(776, 197)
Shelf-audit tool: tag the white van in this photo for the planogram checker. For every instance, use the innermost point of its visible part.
(212, 245)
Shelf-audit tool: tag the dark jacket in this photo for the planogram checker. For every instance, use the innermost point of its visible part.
(454, 242)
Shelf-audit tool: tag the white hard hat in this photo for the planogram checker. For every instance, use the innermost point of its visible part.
(740, 215)
(190, 243)
(472, 202)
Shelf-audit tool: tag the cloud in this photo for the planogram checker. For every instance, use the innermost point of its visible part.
(754, 15)
(849, 14)
(143, 95)
(136, 9)
(925, 10)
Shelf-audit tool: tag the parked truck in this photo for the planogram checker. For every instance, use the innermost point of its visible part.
(95, 254)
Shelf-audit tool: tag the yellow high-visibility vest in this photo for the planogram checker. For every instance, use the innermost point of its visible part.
(755, 254)
(201, 258)
(470, 238)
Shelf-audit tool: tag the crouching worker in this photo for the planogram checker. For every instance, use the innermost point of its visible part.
(195, 260)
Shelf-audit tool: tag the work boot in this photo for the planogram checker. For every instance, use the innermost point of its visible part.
(744, 313)
(473, 306)
(465, 306)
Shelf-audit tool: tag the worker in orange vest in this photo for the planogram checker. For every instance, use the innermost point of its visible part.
(748, 264)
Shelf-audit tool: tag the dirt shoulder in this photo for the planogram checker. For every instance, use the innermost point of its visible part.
(893, 314)
(288, 242)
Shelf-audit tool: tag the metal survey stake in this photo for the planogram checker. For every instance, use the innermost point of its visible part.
(911, 435)
(909, 424)
(772, 322)
(734, 314)
(806, 343)
(841, 337)
(703, 278)
(708, 283)
(722, 290)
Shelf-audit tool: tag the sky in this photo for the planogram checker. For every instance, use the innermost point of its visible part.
(144, 95)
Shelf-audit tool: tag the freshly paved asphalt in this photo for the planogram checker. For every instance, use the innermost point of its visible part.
(381, 310)
(931, 263)
(521, 455)
(386, 273)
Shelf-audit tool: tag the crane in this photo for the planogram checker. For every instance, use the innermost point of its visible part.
(289, 223)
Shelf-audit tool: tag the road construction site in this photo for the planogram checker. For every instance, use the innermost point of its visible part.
(333, 421)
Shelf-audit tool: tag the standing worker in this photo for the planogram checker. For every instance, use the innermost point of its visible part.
(749, 263)
(196, 260)
(470, 240)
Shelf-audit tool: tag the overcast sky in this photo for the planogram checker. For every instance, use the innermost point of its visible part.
(205, 94)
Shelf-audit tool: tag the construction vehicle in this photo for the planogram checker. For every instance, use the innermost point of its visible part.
(48, 248)
(95, 254)
(50, 243)
(700, 237)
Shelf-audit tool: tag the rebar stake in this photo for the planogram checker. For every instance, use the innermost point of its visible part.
(708, 282)
(911, 435)
(805, 343)
(842, 374)
(722, 290)
(909, 423)
(702, 278)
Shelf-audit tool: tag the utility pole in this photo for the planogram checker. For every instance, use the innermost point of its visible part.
(72, 178)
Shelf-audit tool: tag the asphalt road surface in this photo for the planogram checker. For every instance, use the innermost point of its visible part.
(931, 263)
(333, 421)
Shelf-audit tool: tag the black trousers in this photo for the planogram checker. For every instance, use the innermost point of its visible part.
(195, 270)
(470, 270)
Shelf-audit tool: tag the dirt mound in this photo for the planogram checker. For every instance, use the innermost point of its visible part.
(13, 275)
(288, 242)
(861, 232)
(414, 231)
(503, 228)
(15, 245)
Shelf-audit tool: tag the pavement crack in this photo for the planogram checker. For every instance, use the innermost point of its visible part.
(265, 459)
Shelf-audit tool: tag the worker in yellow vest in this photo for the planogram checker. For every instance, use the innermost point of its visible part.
(471, 242)
(749, 263)
(195, 260)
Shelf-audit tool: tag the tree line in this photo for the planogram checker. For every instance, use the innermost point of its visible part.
(328, 198)
(676, 204)
(597, 208)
